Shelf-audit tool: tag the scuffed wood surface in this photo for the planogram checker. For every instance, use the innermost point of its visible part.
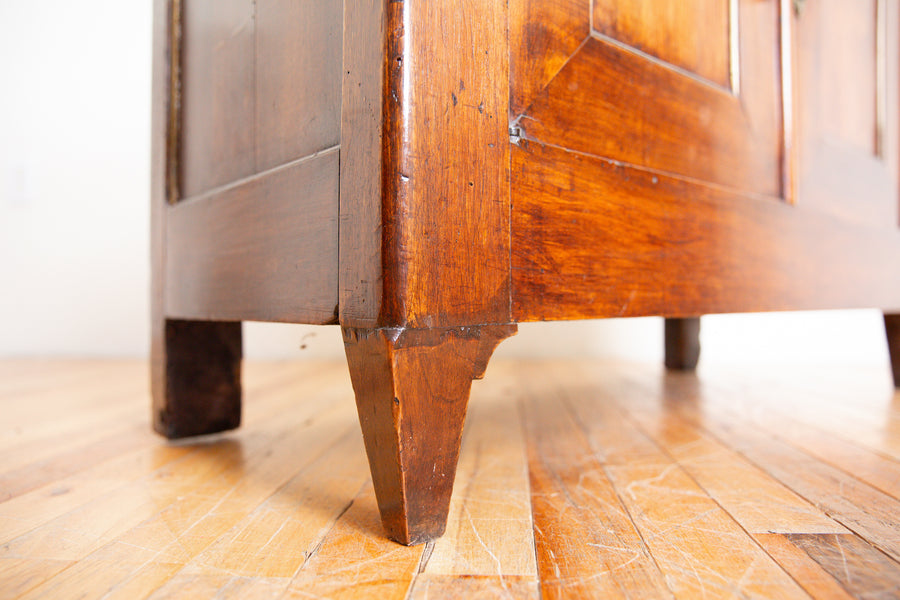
(576, 480)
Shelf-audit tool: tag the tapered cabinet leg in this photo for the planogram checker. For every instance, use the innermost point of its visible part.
(196, 377)
(682, 344)
(412, 388)
(892, 329)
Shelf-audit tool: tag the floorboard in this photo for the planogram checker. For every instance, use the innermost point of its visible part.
(577, 479)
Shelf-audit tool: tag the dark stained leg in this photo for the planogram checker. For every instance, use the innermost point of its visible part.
(196, 377)
(412, 388)
(682, 343)
(892, 329)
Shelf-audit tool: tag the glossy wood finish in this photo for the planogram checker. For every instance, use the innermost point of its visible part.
(846, 94)
(690, 34)
(611, 102)
(682, 342)
(262, 249)
(892, 332)
(412, 388)
(442, 232)
(677, 248)
(556, 456)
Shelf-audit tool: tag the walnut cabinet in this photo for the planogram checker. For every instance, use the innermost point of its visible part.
(427, 174)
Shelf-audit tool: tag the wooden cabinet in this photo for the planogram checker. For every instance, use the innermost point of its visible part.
(428, 174)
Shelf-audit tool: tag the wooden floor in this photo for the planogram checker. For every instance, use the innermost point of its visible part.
(576, 480)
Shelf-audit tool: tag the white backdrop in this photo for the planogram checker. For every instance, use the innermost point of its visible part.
(74, 193)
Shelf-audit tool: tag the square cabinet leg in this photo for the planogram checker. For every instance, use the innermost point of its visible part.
(196, 377)
(412, 389)
(682, 344)
(892, 330)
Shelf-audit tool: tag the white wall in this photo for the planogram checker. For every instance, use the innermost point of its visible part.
(74, 193)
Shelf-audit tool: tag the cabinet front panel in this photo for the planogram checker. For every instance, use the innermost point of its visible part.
(846, 99)
(684, 88)
(259, 87)
(690, 34)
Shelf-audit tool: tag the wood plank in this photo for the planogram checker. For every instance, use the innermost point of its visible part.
(592, 238)
(447, 587)
(695, 543)
(692, 35)
(217, 100)
(585, 540)
(861, 508)
(860, 568)
(445, 178)
(830, 435)
(298, 82)
(805, 571)
(759, 503)
(264, 249)
(364, 71)
(489, 521)
(174, 514)
(355, 560)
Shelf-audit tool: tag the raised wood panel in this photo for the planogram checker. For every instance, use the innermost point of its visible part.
(543, 35)
(691, 34)
(846, 101)
(264, 249)
(616, 104)
(298, 81)
(217, 99)
(260, 86)
(592, 238)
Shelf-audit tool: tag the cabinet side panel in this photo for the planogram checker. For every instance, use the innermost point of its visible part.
(217, 93)
(298, 81)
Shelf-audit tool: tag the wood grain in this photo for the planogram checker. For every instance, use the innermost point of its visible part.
(860, 568)
(692, 35)
(611, 103)
(805, 571)
(218, 103)
(229, 516)
(833, 491)
(694, 541)
(490, 509)
(298, 84)
(264, 249)
(543, 35)
(847, 128)
(586, 542)
(682, 343)
(399, 377)
(445, 188)
(362, 122)
(592, 238)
